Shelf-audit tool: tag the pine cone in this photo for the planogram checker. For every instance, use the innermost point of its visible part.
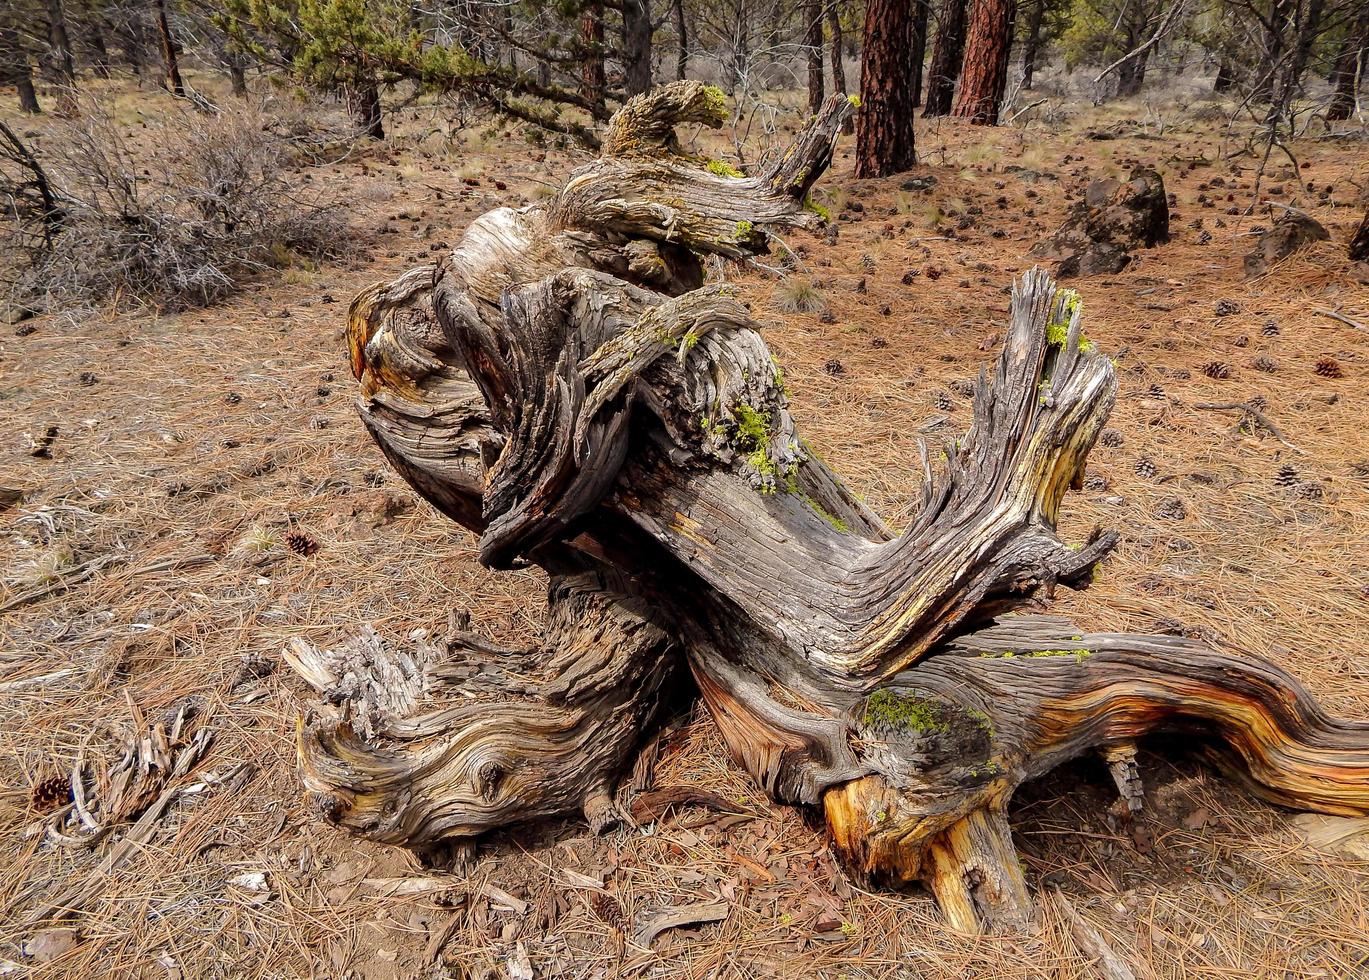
(1112, 438)
(1172, 509)
(301, 543)
(1155, 391)
(608, 910)
(1145, 466)
(834, 367)
(1265, 364)
(1329, 367)
(1287, 476)
(51, 793)
(1270, 329)
(944, 403)
(1311, 490)
(1242, 341)
(1226, 307)
(1217, 370)
(1258, 401)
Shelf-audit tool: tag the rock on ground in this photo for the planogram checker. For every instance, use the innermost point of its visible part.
(1112, 220)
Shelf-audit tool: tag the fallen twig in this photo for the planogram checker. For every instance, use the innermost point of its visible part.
(1254, 412)
(1341, 317)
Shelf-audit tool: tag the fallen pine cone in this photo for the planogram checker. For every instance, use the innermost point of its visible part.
(301, 543)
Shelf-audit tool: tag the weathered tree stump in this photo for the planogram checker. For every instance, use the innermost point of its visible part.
(565, 385)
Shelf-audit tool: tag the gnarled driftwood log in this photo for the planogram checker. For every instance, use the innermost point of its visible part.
(566, 386)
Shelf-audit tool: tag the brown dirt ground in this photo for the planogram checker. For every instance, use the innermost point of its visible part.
(155, 460)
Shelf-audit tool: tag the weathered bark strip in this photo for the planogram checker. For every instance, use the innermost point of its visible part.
(565, 386)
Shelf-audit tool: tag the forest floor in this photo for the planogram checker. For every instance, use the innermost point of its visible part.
(190, 444)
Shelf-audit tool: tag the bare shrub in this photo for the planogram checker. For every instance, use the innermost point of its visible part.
(177, 220)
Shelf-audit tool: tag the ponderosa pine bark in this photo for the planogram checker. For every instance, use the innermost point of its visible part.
(593, 77)
(946, 57)
(566, 386)
(984, 73)
(884, 125)
(836, 55)
(812, 12)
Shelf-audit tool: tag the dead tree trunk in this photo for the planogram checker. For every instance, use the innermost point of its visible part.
(364, 103)
(984, 74)
(1359, 243)
(566, 387)
(884, 126)
(946, 57)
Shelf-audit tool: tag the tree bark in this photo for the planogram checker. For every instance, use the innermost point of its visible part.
(63, 64)
(884, 125)
(593, 77)
(1359, 244)
(1354, 52)
(636, 46)
(837, 56)
(169, 63)
(946, 58)
(1032, 44)
(364, 103)
(681, 42)
(812, 12)
(1275, 40)
(565, 385)
(917, 45)
(16, 69)
(1307, 17)
(984, 75)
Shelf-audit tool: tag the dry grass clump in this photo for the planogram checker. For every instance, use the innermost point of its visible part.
(177, 219)
(797, 295)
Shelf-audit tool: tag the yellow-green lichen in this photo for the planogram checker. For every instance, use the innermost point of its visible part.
(896, 712)
(723, 169)
(812, 205)
(715, 101)
(743, 231)
(854, 100)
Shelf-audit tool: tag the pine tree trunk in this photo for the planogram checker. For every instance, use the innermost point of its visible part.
(917, 45)
(946, 58)
(63, 64)
(169, 63)
(636, 46)
(1307, 15)
(1032, 42)
(593, 77)
(681, 42)
(16, 70)
(1354, 52)
(366, 111)
(237, 72)
(837, 56)
(1275, 31)
(566, 386)
(984, 75)
(884, 125)
(812, 13)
